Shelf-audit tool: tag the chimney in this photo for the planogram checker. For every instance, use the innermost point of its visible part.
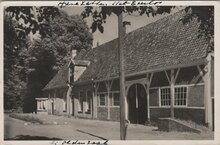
(97, 43)
(124, 28)
(74, 53)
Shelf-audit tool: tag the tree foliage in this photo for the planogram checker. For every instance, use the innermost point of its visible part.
(14, 60)
(39, 60)
(205, 17)
(33, 19)
(203, 14)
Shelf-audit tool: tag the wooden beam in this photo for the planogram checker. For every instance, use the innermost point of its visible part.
(151, 76)
(177, 73)
(148, 82)
(107, 83)
(172, 95)
(198, 62)
(96, 87)
(169, 79)
(201, 73)
(207, 93)
(95, 99)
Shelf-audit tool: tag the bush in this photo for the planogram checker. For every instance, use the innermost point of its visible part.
(28, 118)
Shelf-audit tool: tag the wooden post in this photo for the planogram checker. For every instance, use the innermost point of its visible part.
(68, 100)
(172, 80)
(122, 77)
(207, 93)
(108, 97)
(172, 91)
(93, 101)
(95, 98)
(148, 82)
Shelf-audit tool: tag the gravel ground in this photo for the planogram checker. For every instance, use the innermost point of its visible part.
(60, 127)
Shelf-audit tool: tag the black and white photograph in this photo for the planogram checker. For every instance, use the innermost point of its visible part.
(95, 73)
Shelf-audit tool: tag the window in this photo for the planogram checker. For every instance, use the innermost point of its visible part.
(180, 96)
(71, 73)
(165, 96)
(102, 99)
(114, 99)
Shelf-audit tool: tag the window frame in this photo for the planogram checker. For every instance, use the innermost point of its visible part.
(187, 93)
(177, 86)
(105, 96)
(160, 96)
(112, 100)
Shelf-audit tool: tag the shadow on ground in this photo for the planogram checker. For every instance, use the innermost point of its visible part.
(28, 137)
(92, 135)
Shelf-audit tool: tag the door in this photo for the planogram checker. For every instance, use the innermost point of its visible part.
(137, 104)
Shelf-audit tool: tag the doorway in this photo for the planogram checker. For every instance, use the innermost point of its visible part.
(137, 104)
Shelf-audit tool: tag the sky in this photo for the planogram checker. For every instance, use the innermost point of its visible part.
(110, 27)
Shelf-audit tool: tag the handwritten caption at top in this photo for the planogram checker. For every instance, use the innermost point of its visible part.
(62, 4)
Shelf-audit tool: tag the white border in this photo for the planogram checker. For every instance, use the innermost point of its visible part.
(179, 142)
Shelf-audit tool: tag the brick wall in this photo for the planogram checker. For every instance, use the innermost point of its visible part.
(196, 115)
(115, 114)
(196, 96)
(102, 113)
(156, 113)
(154, 97)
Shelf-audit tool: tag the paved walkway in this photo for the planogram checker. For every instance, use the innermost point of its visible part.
(84, 129)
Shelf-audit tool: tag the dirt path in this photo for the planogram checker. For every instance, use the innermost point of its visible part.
(83, 129)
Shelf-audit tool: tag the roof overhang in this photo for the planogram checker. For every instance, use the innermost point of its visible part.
(56, 87)
(41, 99)
(79, 62)
(83, 82)
(158, 69)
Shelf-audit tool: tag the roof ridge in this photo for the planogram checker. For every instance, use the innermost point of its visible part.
(159, 20)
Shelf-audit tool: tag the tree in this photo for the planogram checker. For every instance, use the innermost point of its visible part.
(204, 15)
(50, 53)
(14, 59)
(33, 19)
(37, 61)
(19, 22)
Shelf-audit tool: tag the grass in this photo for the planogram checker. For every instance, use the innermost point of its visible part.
(28, 118)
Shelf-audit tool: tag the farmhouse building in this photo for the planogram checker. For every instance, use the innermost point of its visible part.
(165, 62)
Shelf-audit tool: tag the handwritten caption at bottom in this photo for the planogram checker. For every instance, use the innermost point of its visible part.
(80, 142)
